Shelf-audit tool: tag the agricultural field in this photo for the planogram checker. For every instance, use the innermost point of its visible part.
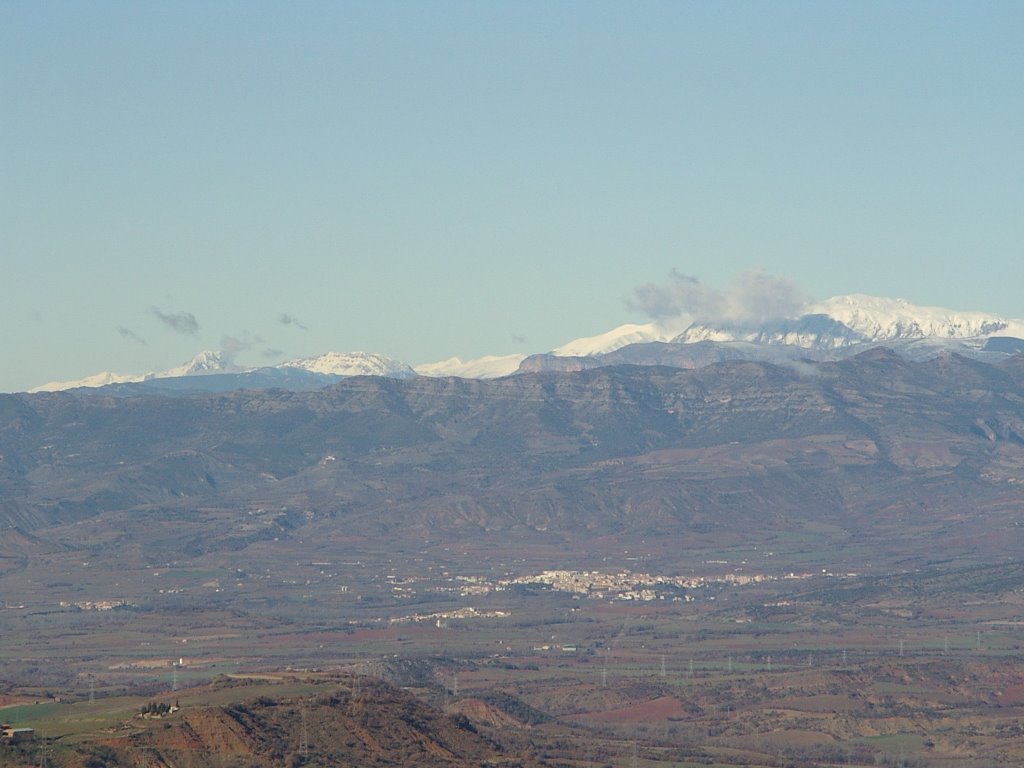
(923, 668)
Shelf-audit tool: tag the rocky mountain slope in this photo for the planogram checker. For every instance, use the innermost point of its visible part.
(363, 722)
(874, 445)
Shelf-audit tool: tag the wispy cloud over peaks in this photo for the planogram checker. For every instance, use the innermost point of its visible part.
(751, 298)
(128, 333)
(286, 319)
(232, 346)
(179, 322)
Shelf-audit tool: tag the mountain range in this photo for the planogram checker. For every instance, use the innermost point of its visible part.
(873, 445)
(865, 458)
(828, 330)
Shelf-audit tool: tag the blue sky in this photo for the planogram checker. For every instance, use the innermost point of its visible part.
(433, 179)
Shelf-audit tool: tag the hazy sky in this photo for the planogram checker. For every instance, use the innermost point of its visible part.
(429, 179)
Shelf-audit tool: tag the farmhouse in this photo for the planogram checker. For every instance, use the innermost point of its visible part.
(12, 735)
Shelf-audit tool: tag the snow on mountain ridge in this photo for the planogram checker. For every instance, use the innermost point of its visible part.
(835, 323)
(206, 362)
(209, 362)
(623, 335)
(487, 367)
(814, 331)
(845, 320)
(101, 379)
(352, 364)
(203, 364)
(878, 319)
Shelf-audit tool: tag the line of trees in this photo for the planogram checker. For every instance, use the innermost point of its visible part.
(159, 708)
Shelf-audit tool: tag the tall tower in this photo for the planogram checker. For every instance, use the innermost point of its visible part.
(304, 737)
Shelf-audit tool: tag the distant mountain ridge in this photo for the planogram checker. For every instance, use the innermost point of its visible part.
(843, 321)
(831, 329)
(331, 366)
(875, 444)
(352, 364)
(487, 367)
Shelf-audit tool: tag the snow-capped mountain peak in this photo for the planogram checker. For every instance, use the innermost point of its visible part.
(842, 321)
(96, 380)
(206, 362)
(203, 364)
(210, 362)
(838, 324)
(352, 364)
(616, 338)
(879, 319)
(487, 367)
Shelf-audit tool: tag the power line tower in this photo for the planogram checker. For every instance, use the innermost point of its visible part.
(663, 665)
(304, 740)
(44, 752)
